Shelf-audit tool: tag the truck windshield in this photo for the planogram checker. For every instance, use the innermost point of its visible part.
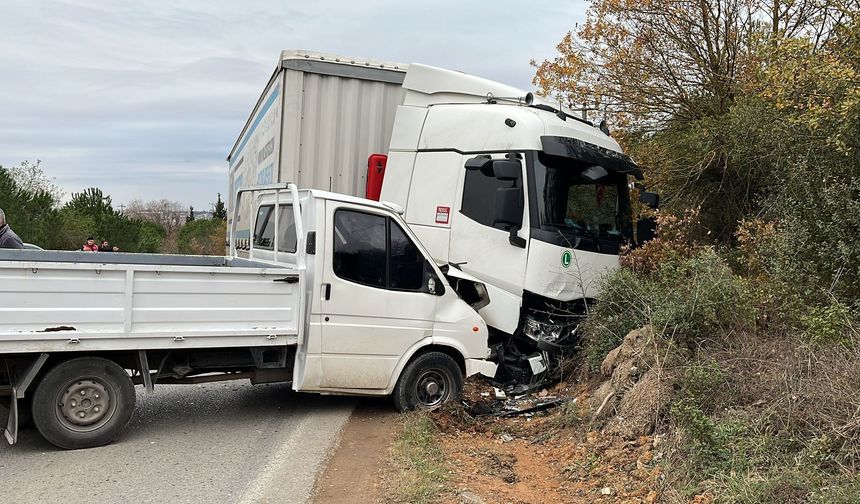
(574, 211)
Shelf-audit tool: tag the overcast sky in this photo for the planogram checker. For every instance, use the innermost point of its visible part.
(144, 98)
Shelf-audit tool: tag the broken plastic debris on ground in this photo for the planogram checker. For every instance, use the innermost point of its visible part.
(482, 399)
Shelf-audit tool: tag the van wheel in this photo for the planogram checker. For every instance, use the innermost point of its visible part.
(428, 381)
(84, 402)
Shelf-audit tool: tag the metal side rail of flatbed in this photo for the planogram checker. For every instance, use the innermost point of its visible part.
(71, 301)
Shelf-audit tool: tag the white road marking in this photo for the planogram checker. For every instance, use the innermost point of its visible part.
(297, 461)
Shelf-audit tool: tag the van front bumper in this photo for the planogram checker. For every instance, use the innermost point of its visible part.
(481, 366)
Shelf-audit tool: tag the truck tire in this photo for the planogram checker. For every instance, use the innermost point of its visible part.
(430, 380)
(82, 403)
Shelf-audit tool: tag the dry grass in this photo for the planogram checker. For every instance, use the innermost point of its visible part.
(416, 472)
(780, 423)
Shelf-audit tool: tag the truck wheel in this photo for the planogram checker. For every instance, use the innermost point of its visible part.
(82, 403)
(430, 380)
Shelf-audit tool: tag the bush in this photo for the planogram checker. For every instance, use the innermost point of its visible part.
(687, 299)
(785, 484)
(151, 237)
(203, 237)
(702, 384)
(572, 414)
(674, 240)
(830, 324)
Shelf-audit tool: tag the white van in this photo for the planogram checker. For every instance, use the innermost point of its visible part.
(337, 296)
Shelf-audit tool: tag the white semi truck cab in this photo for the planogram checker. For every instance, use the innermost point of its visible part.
(522, 203)
(525, 202)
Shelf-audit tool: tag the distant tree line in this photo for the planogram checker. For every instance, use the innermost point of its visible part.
(33, 207)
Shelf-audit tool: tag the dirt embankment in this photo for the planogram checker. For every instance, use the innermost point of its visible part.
(596, 444)
(552, 457)
(583, 442)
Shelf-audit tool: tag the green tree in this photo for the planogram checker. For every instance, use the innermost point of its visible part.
(151, 237)
(683, 84)
(203, 236)
(190, 216)
(30, 178)
(30, 213)
(220, 211)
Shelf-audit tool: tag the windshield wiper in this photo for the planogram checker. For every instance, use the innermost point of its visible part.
(583, 234)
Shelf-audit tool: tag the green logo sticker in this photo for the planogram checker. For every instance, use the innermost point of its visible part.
(566, 257)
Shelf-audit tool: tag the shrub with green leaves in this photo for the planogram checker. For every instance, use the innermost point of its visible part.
(829, 324)
(686, 299)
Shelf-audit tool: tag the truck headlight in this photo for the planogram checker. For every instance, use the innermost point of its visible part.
(541, 331)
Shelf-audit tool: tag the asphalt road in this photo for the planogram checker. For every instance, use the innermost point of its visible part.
(221, 442)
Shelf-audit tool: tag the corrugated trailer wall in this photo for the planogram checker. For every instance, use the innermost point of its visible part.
(318, 119)
(331, 125)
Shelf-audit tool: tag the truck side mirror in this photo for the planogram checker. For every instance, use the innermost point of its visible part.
(509, 212)
(507, 169)
(650, 199)
(646, 230)
(478, 163)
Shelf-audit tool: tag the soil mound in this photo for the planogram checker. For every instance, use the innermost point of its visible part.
(637, 390)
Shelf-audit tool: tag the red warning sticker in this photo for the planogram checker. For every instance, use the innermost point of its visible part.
(442, 214)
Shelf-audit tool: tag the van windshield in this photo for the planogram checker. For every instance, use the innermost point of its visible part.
(576, 208)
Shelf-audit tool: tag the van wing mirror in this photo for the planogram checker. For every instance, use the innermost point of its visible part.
(433, 283)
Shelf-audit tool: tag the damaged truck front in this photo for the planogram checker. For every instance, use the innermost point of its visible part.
(520, 202)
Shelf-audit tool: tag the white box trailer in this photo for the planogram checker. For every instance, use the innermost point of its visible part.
(341, 298)
(315, 124)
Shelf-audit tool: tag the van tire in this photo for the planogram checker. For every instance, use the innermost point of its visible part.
(83, 403)
(430, 380)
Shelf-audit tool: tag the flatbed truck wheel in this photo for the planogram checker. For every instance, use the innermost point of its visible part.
(432, 379)
(83, 403)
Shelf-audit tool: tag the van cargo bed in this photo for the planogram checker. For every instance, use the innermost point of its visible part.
(72, 301)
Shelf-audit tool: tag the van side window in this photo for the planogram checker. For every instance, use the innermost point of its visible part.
(287, 232)
(406, 264)
(373, 250)
(264, 230)
(360, 247)
(479, 196)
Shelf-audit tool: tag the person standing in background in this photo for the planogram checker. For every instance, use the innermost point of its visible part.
(90, 245)
(106, 247)
(8, 238)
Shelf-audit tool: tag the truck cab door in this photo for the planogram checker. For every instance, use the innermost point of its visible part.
(375, 302)
(486, 248)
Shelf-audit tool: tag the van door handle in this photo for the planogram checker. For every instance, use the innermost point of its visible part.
(326, 291)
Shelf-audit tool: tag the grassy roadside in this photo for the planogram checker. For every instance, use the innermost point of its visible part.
(416, 471)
